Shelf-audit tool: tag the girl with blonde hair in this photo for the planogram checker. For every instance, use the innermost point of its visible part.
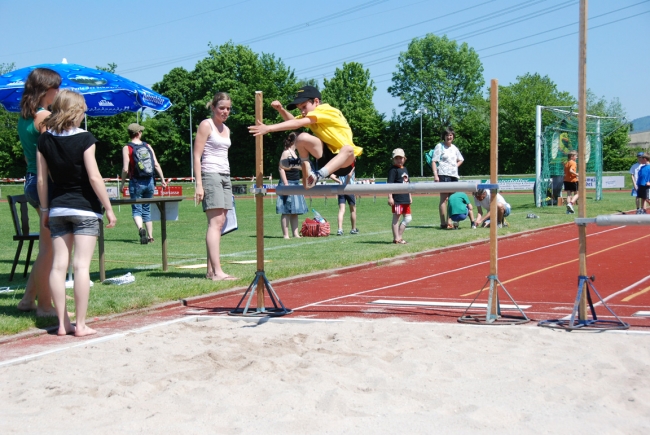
(72, 210)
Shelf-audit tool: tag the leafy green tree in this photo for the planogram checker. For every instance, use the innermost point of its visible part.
(473, 138)
(351, 91)
(235, 69)
(617, 156)
(439, 75)
(517, 103)
(12, 162)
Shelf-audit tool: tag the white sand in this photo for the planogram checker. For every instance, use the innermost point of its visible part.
(387, 376)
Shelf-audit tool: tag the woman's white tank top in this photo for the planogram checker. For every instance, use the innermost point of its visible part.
(215, 153)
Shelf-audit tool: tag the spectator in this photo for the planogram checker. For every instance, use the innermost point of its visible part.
(459, 208)
(213, 185)
(634, 172)
(571, 180)
(73, 209)
(399, 202)
(352, 203)
(138, 164)
(643, 183)
(290, 206)
(482, 201)
(41, 87)
(444, 164)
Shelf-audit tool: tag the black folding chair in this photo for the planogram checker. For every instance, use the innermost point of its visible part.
(21, 225)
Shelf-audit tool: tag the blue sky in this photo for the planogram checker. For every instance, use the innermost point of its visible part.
(147, 38)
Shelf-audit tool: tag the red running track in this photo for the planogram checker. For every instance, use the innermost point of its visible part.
(539, 269)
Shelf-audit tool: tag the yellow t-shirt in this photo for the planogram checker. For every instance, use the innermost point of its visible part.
(332, 128)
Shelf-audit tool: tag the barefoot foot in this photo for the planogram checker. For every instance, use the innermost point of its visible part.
(84, 331)
(45, 312)
(24, 305)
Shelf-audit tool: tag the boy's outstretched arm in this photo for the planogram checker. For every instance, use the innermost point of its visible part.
(292, 124)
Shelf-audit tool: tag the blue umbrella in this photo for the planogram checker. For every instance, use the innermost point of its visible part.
(106, 94)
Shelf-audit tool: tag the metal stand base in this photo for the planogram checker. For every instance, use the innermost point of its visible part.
(276, 311)
(494, 319)
(593, 324)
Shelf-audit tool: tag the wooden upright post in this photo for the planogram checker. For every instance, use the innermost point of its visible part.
(493, 309)
(582, 161)
(259, 198)
(260, 282)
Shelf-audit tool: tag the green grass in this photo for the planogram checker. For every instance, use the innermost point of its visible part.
(186, 246)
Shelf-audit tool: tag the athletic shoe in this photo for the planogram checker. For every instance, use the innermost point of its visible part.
(312, 179)
(500, 226)
(569, 208)
(339, 233)
(144, 239)
(354, 231)
(473, 226)
(638, 211)
(455, 225)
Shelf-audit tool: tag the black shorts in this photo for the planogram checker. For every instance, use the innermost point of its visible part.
(571, 186)
(447, 178)
(643, 192)
(329, 155)
(350, 199)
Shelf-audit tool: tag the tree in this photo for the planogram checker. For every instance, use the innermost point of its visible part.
(351, 91)
(12, 162)
(439, 75)
(235, 69)
(473, 138)
(617, 156)
(517, 105)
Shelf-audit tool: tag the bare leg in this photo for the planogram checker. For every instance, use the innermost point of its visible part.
(216, 219)
(293, 219)
(149, 226)
(61, 247)
(442, 208)
(340, 216)
(83, 253)
(284, 225)
(138, 221)
(396, 232)
(400, 230)
(353, 216)
(38, 283)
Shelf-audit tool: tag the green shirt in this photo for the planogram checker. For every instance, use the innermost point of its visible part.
(458, 203)
(29, 134)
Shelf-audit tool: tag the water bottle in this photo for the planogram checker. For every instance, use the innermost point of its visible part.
(317, 216)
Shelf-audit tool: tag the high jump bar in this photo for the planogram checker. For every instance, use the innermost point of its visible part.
(374, 189)
(615, 219)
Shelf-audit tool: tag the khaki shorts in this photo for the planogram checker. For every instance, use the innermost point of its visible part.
(217, 191)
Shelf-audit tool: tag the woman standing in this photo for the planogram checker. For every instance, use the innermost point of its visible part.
(445, 162)
(72, 210)
(213, 186)
(290, 206)
(41, 87)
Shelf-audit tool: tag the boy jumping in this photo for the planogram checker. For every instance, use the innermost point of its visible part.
(331, 144)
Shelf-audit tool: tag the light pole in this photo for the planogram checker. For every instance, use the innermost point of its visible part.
(421, 150)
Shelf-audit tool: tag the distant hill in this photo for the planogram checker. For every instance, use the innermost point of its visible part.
(641, 124)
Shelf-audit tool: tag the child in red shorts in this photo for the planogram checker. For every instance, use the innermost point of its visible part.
(400, 202)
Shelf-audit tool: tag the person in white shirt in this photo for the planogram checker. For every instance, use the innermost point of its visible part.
(482, 201)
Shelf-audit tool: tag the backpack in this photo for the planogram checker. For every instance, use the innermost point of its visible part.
(142, 160)
(428, 157)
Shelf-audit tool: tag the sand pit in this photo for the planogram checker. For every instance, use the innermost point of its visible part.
(231, 376)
